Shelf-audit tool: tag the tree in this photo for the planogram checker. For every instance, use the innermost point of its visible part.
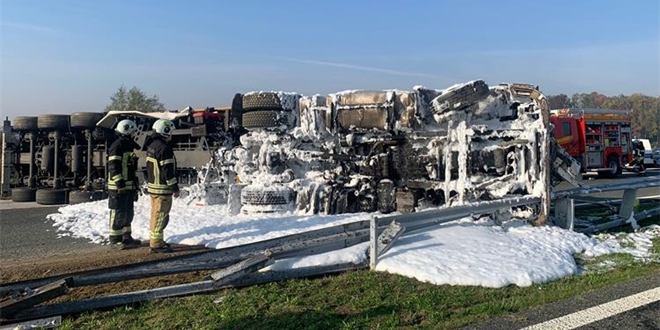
(134, 99)
(645, 115)
(561, 101)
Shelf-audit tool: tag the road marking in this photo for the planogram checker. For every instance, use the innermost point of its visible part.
(600, 312)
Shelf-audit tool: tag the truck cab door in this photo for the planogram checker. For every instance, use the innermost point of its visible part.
(567, 135)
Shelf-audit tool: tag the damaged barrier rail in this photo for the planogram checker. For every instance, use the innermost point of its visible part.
(564, 208)
(239, 264)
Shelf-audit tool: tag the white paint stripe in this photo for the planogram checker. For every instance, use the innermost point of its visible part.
(600, 312)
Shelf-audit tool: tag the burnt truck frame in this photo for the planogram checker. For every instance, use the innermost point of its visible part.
(366, 151)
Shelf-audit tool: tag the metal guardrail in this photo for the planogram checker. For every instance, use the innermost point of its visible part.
(565, 205)
(637, 184)
(243, 260)
(423, 219)
(381, 231)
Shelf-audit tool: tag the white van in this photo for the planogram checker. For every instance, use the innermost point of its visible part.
(648, 152)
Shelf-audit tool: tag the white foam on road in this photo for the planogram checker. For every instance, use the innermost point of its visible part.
(599, 312)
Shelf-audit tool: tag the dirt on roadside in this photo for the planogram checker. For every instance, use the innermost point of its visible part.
(85, 260)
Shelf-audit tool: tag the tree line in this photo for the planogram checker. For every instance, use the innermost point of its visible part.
(646, 109)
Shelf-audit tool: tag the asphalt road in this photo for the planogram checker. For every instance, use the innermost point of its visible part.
(646, 317)
(26, 234)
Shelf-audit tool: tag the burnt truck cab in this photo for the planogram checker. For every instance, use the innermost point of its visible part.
(600, 139)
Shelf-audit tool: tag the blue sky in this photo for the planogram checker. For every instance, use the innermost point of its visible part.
(66, 56)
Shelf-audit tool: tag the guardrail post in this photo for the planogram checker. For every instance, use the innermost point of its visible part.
(627, 203)
(564, 213)
(373, 242)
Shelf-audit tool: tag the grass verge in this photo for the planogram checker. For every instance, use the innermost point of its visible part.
(357, 300)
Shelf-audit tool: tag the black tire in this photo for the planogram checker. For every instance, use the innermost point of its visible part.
(53, 122)
(21, 195)
(615, 166)
(267, 196)
(261, 101)
(84, 196)
(51, 196)
(462, 97)
(260, 119)
(85, 119)
(25, 123)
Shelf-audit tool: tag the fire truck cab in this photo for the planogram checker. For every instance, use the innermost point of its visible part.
(600, 139)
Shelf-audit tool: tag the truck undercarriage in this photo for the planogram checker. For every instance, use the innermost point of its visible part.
(352, 151)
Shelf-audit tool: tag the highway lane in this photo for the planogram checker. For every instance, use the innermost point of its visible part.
(593, 180)
(26, 235)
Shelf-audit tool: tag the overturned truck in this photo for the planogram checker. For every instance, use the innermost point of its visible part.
(366, 151)
(59, 159)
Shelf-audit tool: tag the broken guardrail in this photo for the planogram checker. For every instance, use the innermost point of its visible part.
(243, 263)
(564, 209)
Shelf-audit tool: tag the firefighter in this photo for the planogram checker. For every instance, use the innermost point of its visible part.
(161, 183)
(122, 184)
(638, 157)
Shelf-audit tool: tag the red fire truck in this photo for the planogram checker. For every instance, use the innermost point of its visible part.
(600, 139)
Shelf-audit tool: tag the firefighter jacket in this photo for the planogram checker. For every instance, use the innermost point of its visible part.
(161, 168)
(122, 164)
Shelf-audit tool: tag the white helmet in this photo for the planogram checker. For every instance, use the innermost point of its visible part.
(126, 127)
(163, 127)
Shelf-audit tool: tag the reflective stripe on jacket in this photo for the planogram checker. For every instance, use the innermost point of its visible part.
(161, 168)
(122, 163)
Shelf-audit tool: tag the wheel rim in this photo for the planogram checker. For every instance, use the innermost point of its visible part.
(614, 167)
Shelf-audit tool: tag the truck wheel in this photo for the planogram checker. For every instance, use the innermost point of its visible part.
(260, 119)
(53, 122)
(85, 119)
(462, 97)
(51, 196)
(25, 123)
(261, 101)
(614, 165)
(20, 195)
(82, 196)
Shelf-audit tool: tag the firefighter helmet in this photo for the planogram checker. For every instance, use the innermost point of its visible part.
(163, 127)
(126, 127)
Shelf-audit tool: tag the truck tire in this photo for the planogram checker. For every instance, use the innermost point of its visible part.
(85, 119)
(261, 101)
(462, 97)
(270, 195)
(615, 166)
(53, 122)
(51, 196)
(83, 196)
(20, 195)
(25, 123)
(260, 119)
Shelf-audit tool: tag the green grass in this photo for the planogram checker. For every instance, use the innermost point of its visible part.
(359, 300)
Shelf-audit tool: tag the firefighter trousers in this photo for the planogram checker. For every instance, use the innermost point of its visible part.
(160, 217)
(121, 213)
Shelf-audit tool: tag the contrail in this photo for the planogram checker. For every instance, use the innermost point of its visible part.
(362, 67)
(325, 63)
(30, 27)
